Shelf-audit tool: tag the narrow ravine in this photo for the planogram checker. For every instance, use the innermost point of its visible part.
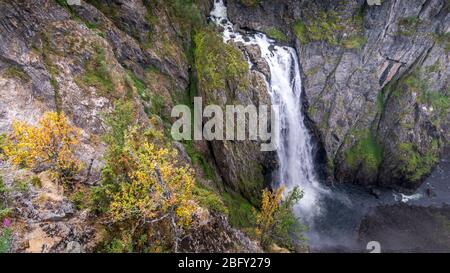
(334, 214)
(284, 86)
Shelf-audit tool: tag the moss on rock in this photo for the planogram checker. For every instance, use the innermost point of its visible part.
(366, 151)
(218, 63)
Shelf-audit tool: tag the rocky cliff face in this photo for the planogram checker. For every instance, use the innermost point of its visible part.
(375, 86)
(82, 60)
(375, 81)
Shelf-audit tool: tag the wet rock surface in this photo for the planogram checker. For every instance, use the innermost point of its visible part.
(369, 96)
(404, 228)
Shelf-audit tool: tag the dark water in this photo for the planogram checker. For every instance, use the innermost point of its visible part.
(336, 228)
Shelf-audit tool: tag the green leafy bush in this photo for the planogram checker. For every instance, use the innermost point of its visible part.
(276, 221)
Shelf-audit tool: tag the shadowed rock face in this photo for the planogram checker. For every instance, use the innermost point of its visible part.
(403, 228)
(376, 85)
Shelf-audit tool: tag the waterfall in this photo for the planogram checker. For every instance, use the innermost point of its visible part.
(285, 86)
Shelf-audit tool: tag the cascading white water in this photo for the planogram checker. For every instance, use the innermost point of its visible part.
(294, 143)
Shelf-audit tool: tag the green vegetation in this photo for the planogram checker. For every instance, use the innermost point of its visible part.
(443, 38)
(329, 27)
(154, 104)
(218, 63)
(381, 104)
(250, 3)
(63, 3)
(81, 198)
(16, 72)
(36, 182)
(276, 222)
(276, 34)
(416, 82)
(209, 199)
(357, 41)
(139, 85)
(240, 211)
(21, 185)
(142, 183)
(415, 164)
(408, 26)
(97, 73)
(119, 121)
(198, 159)
(5, 240)
(4, 209)
(323, 28)
(2, 143)
(187, 11)
(157, 106)
(366, 151)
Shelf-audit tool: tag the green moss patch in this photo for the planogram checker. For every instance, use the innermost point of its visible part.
(240, 211)
(330, 27)
(97, 74)
(366, 151)
(17, 73)
(415, 164)
(276, 34)
(209, 199)
(407, 26)
(218, 63)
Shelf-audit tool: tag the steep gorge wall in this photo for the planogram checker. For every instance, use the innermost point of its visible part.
(375, 81)
(82, 60)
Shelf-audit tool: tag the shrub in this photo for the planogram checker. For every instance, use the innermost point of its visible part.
(4, 209)
(157, 185)
(50, 144)
(3, 138)
(276, 222)
(119, 121)
(152, 192)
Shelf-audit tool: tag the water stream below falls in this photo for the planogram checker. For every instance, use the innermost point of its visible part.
(332, 214)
